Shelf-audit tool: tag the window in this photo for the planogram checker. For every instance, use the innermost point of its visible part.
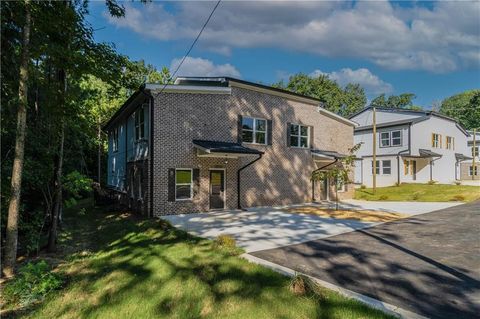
(299, 135)
(450, 143)
(386, 167)
(436, 140)
(139, 124)
(254, 130)
(471, 171)
(406, 167)
(113, 165)
(385, 139)
(390, 138)
(115, 140)
(475, 151)
(377, 169)
(396, 138)
(183, 184)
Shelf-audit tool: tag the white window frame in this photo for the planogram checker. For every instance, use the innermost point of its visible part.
(471, 170)
(475, 151)
(255, 130)
(183, 184)
(392, 138)
(389, 138)
(382, 139)
(436, 140)
(389, 166)
(449, 143)
(139, 114)
(299, 136)
(115, 140)
(113, 164)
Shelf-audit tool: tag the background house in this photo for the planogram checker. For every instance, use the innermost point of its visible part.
(412, 147)
(466, 167)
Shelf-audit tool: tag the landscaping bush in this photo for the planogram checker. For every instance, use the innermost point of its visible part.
(363, 186)
(432, 182)
(416, 195)
(383, 197)
(33, 282)
(302, 285)
(228, 244)
(458, 183)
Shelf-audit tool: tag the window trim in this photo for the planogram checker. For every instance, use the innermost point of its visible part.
(451, 145)
(182, 184)
(471, 171)
(299, 136)
(137, 126)
(383, 167)
(377, 168)
(476, 151)
(254, 131)
(436, 143)
(115, 140)
(390, 138)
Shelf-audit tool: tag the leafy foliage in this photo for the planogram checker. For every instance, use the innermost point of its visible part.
(402, 101)
(464, 107)
(343, 101)
(34, 282)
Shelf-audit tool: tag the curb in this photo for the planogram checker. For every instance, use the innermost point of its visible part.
(374, 303)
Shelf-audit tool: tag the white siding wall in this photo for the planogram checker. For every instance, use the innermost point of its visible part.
(366, 118)
(366, 138)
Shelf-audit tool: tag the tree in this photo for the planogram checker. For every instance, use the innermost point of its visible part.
(340, 172)
(463, 107)
(343, 101)
(17, 171)
(402, 101)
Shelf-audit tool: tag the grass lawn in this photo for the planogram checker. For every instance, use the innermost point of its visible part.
(421, 193)
(361, 215)
(121, 266)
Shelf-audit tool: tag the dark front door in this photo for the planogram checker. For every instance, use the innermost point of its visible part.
(414, 168)
(217, 189)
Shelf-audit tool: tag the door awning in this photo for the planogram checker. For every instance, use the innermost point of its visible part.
(460, 157)
(428, 153)
(223, 149)
(321, 155)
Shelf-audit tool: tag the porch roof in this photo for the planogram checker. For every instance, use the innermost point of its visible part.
(223, 149)
(460, 157)
(329, 155)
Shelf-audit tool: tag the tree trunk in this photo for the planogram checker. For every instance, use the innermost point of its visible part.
(17, 170)
(99, 155)
(52, 237)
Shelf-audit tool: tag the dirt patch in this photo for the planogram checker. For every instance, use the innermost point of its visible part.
(361, 215)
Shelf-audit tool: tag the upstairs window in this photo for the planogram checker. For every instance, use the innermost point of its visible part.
(299, 135)
(436, 140)
(450, 143)
(115, 140)
(183, 184)
(390, 138)
(139, 124)
(475, 151)
(254, 130)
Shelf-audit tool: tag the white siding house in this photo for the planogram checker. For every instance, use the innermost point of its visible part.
(412, 147)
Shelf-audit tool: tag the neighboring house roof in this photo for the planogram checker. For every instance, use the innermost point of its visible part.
(424, 116)
(460, 157)
(393, 123)
(224, 147)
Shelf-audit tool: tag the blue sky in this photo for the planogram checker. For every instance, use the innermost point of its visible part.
(431, 49)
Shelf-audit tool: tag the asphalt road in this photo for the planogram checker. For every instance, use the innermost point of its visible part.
(428, 264)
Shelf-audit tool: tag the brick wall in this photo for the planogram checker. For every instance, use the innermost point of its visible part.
(281, 177)
(464, 171)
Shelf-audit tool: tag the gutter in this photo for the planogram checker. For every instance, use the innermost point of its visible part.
(239, 206)
(150, 150)
(313, 183)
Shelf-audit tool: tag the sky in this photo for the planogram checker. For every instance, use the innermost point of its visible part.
(431, 49)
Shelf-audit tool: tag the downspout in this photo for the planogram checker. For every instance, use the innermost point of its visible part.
(431, 168)
(401, 152)
(324, 166)
(239, 206)
(150, 150)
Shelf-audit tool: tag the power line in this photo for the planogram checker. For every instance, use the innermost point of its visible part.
(191, 47)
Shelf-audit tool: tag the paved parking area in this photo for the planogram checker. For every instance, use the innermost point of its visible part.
(272, 227)
(428, 264)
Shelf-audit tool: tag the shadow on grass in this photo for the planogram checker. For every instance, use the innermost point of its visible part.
(146, 268)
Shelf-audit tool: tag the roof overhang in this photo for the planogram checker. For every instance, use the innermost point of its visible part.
(322, 155)
(423, 153)
(460, 157)
(223, 149)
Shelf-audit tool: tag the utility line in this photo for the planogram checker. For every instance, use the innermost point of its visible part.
(190, 49)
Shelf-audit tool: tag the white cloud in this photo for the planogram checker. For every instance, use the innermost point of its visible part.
(203, 67)
(372, 84)
(438, 39)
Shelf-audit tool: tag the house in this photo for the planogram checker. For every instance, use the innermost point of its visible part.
(466, 168)
(222, 143)
(411, 147)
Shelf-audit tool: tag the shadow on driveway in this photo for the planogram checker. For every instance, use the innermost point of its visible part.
(428, 264)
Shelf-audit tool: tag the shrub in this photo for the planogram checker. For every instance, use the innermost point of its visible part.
(397, 184)
(302, 285)
(457, 198)
(363, 186)
(383, 197)
(33, 282)
(416, 195)
(458, 183)
(227, 243)
(77, 185)
(432, 182)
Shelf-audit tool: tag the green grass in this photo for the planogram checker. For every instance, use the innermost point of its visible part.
(120, 266)
(421, 193)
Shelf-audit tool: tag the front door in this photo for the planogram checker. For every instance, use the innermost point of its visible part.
(414, 168)
(217, 189)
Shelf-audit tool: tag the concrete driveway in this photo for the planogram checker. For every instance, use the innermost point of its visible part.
(428, 264)
(271, 227)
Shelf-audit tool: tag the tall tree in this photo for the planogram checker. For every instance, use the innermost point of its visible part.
(17, 171)
(464, 107)
(402, 101)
